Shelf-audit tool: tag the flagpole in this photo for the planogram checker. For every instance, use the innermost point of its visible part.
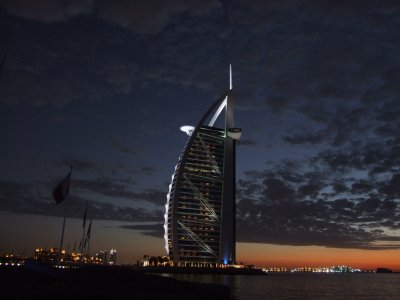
(60, 193)
(62, 238)
(84, 228)
(83, 239)
(90, 235)
(88, 247)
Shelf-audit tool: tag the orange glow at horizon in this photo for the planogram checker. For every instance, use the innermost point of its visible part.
(298, 256)
(35, 231)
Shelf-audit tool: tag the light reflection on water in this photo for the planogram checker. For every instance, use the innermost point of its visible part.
(305, 286)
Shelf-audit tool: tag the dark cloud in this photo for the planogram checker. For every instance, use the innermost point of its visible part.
(373, 157)
(152, 16)
(392, 188)
(306, 211)
(11, 189)
(118, 189)
(108, 211)
(154, 196)
(21, 198)
(310, 189)
(125, 147)
(247, 142)
(79, 164)
(149, 17)
(339, 186)
(92, 166)
(369, 205)
(362, 187)
(276, 190)
(147, 171)
(337, 125)
(277, 103)
(155, 230)
(310, 138)
(48, 11)
(342, 206)
(306, 70)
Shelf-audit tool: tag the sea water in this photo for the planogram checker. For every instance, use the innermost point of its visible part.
(305, 286)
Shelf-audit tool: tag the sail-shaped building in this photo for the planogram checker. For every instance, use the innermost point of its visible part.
(200, 213)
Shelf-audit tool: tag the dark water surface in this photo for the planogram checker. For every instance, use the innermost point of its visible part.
(305, 286)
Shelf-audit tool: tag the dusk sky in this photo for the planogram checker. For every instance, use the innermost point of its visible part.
(103, 86)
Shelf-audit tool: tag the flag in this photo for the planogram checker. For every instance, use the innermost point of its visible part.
(62, 190)
(84, 215)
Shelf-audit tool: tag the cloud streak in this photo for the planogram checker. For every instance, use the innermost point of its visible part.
(23, 198)
(149, 17)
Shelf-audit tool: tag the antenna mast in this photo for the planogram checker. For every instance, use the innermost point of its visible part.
(230, 76)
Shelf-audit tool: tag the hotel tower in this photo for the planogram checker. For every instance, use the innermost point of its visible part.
(200, 214)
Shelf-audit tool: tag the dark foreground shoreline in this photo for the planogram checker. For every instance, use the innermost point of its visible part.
(102, 283)
(196, 270)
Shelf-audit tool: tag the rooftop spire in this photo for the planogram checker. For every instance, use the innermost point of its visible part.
(230, 76)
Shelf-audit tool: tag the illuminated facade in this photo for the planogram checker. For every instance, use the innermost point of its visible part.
(50, 256)
(201, 207)
(102, 257)
(113, 257)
